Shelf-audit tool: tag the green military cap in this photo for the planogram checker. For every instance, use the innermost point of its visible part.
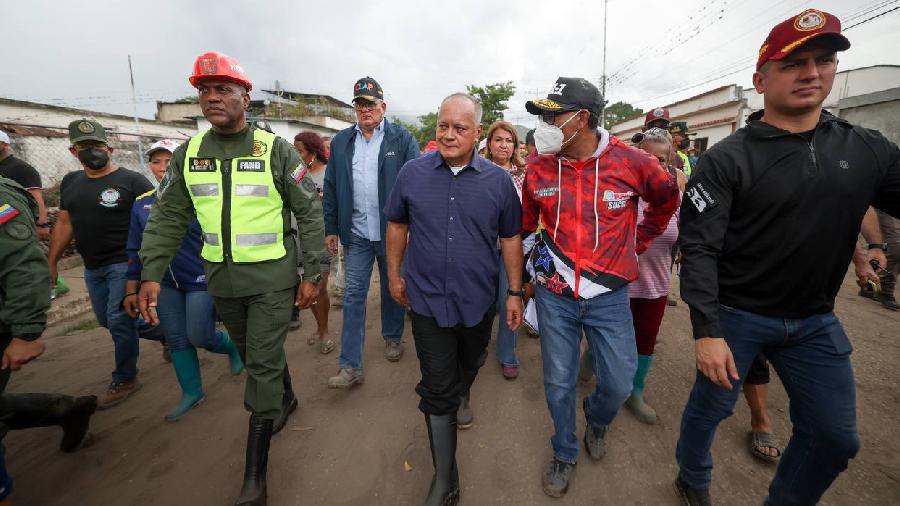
(82, 130)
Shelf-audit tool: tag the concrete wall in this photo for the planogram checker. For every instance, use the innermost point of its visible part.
(170, 111)
(49, 116)
(878, 111)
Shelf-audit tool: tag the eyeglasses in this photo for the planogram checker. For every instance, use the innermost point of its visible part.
(360, 105)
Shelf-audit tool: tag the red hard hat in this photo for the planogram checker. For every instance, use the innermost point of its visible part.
(213, 65)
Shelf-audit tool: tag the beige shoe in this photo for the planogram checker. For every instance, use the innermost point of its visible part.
(346, 378)
(118, 392)
(393, 351)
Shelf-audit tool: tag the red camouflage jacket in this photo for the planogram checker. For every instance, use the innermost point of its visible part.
(589, 213)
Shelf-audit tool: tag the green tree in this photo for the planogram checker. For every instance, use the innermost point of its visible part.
(493, 99)
(618, 112)
(423, 131)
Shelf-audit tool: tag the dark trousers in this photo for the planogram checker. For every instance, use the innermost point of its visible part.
(812, 357)
(449, 358)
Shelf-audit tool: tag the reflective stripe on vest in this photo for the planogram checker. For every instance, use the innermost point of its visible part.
(250, 199)
(687, 163)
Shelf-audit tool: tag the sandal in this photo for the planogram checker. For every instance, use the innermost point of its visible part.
(326, 346)
(758, 441)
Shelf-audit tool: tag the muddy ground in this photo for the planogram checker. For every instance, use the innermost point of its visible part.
(352, 447)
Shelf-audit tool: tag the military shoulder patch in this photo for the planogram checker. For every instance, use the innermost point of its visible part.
(7, 212)
(298, 173)
(701, 199)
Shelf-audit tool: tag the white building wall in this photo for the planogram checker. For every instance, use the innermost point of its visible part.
(60, 117)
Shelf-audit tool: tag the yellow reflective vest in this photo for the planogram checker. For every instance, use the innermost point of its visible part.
(237, 204)
(687, 163)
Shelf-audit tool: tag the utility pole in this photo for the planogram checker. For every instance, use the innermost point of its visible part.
(603, 79)
(137, 124)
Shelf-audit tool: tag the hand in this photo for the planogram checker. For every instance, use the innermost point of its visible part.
(307, 293)
(715, 361)
(397, 287)
(514, 311)
(878, 255)
(678, 259)
(130, 304)
(331, 244)
(681, 180)
(864, 272)
(20, 352)
(147, 297)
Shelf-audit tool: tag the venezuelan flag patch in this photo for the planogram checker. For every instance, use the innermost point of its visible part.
(7, 212)
(298, 173)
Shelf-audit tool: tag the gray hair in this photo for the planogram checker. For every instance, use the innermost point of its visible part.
(475, 103)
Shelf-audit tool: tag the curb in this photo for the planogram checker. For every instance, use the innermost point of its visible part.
(68, 306)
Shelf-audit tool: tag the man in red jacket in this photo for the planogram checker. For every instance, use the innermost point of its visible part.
(584, 188)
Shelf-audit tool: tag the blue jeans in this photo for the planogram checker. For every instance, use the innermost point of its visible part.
(188, 319)
(812, 357)
(106, 288)
(605, 321)
(359, 256)
(506, 339)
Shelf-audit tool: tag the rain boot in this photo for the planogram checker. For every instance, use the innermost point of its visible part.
(187, 370)
(73, 414)
(444, 490)
(288, 402)
(635, 401)
(886, 295)
(227, 347)
(259, 434)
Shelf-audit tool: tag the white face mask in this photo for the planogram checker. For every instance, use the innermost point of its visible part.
(548, 139)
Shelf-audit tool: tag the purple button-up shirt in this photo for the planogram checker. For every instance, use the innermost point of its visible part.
(454, 224)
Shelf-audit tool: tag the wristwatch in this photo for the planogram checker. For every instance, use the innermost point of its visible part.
(881, 246)
(315, 279)
(515, 293)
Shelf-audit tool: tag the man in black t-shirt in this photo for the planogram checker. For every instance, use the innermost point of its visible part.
(95, 206)
(24, 174)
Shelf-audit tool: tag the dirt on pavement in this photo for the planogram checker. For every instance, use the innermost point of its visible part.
(369, 445)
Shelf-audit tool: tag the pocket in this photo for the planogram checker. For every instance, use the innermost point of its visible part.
(839, 339)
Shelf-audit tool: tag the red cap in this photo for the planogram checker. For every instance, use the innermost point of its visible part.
(215, 65)
(791, 33)
(657, 114)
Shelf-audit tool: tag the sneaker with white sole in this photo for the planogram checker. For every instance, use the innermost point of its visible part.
(346, 378)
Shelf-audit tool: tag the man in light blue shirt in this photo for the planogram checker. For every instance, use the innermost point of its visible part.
(364, 163)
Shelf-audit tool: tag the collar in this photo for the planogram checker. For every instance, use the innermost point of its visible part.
(379, 128)
(603, 141)
(761, 129)
(436, 161)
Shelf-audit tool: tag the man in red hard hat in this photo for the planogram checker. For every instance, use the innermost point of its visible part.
(769, 222)
(242, 183)
(658, 118)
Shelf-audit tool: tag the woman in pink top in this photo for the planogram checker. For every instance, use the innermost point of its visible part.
(649, 292)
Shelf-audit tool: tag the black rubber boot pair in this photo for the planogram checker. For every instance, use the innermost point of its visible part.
(73, 414)
(444, 489)
(289, 402)
(259, 434)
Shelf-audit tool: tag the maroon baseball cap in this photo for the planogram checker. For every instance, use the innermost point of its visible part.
(791, 33)
(658, 114)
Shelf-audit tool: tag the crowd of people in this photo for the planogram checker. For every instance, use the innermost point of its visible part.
(571, 224)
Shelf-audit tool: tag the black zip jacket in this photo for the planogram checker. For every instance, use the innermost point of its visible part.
(769, 221)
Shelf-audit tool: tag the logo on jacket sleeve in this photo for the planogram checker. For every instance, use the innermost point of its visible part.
(701, 198)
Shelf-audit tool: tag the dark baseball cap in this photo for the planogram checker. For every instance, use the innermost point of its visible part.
(680, 128)
(568, 94)
(82, 130)
(792, 33)
(367, 89)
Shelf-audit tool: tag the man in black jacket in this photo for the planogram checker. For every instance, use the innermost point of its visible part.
(768, 226)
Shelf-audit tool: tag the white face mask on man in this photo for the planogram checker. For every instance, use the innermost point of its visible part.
(549, 139)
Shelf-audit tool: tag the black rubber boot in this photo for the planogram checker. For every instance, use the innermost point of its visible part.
(288, 402)
(259, 434)
(444, 489)
(24, 411)
(886, 295)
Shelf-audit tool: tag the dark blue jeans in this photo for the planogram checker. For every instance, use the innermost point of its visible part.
(106, 288)
(605, 321)
(188, 318)
(359, 256)
(812, 358)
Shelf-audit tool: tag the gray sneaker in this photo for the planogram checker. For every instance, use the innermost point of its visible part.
(346, 378)
(556, 477)
(393, 350)
(595, 440)
(464, 417)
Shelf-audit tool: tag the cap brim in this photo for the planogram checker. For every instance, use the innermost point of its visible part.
(543, 105)
(839, 43)
(88, 138)
(370, 98)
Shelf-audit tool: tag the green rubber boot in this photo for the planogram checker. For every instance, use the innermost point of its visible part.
(635, 401)
(227, 347)
(61, 287)
(187, 370)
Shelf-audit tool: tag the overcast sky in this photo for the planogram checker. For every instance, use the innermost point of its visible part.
(75, 53)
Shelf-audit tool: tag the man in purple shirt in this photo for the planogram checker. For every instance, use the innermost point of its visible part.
(451, 207)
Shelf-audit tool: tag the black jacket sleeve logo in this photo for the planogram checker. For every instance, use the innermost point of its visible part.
(701, 198)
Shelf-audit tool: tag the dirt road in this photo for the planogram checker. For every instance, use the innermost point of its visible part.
(350, 447)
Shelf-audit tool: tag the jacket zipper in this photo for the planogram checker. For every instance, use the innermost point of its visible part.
(174, 279)
(577, 231)
(226, 208)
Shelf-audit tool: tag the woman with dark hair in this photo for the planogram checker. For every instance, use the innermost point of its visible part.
(503, 149)
(313, 153)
